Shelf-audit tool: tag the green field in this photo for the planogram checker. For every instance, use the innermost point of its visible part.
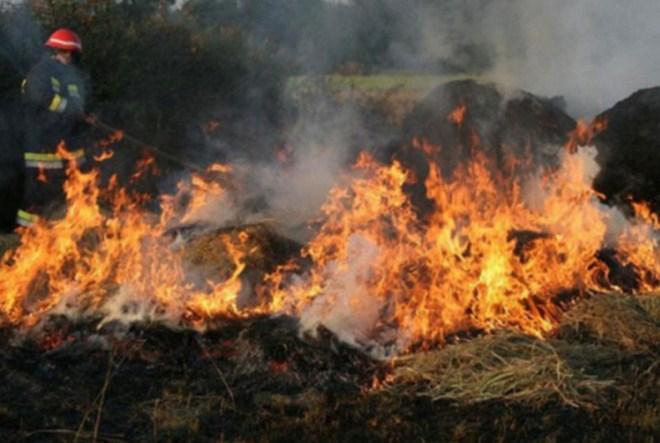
(375, 83)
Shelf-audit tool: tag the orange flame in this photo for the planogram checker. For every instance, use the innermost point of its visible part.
(114, 137)
(145, 166)
(117, 266)
(489, 257)
(457, 115)
(584, 133)
(105, 155)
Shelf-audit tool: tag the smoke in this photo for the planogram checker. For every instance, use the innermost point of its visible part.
(286, 178)
(592, 52)
(21, 38)
(346, 306)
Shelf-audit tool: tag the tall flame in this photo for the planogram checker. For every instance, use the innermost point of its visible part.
(494, 253)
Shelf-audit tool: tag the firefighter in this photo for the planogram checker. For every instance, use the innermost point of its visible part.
(54, 95)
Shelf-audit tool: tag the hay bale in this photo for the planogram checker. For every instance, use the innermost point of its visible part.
(208, 254)
(611, 319)
(628, 149)
(503, 367)
(497, 122)
(506, 122)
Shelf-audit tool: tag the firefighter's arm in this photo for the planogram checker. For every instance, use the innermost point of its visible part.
(41, 89)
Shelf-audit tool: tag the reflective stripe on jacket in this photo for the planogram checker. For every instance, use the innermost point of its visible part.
(52, 161)
(25, 218)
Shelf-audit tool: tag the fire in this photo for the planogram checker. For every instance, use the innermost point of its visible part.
(105, 155)
(584, 133)
(457, 116)
(200, 198)
(113, 138)
(495, 251)
(145, 166)
(115, 266)
(639, 246)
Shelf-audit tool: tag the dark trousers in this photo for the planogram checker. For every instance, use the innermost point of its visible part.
(43, 194)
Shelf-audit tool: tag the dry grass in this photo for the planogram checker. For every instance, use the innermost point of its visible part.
(651, 304)
(614, 319)
(603, 356)
(506, 367)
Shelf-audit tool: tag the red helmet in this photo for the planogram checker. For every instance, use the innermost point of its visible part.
(64, 39)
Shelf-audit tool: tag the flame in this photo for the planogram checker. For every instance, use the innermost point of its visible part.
(105, 155)
(41, 175)
(201, 197)
(493, 253)
(117, 266)
(145, 166)
(584, 133)
(497, 250)
(427, 148)
(639, 246)
(113, 138)
(457, 115)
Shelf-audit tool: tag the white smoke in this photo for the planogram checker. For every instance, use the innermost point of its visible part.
(346, 306)
(592, 52)
(297, 190)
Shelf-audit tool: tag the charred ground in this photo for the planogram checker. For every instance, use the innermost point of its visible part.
(595, 379)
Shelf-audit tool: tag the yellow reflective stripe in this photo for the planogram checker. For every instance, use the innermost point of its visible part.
(41, 157)
(73, 90)
(27, 216)
(55, 83)
(58, 104)
(23, 85)
(47, 157)
(55, 103)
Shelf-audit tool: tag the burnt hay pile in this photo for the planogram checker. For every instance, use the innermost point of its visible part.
(628, 150)
(465, 117)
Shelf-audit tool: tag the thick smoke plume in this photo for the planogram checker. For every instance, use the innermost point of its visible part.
(592, 52)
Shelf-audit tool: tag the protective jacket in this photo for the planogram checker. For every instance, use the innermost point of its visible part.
(54, 95)
(55, 104)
